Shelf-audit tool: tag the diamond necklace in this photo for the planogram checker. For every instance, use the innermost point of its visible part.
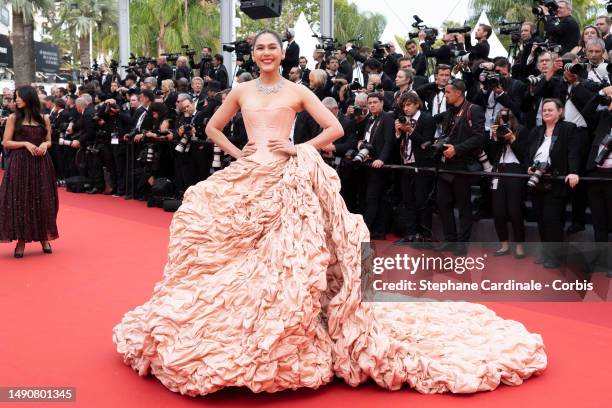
(267, 90)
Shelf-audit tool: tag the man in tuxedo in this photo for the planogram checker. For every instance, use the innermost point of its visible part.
(295, 75)
(379, 131)
(418, 80)
(292, 53)
(464, 131)
(345, 68)
(319, 56)
(443, 53)
(603, 24)
(105, 79)
(480, 50)
(219, 72)
(197, 93)
(417, 58)
(434, 94)
(373, 67)
(303, 64)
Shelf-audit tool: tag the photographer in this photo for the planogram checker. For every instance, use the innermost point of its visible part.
(548, 84)
(60, 119)
(443, 54)
(603, 24)
(562, 29)
(169, 97)
(403, 82)
(197, 93)
(599, 164)
(434, 94)
(378, 145)
(417, 58)
(463, 134)
(415, 131)
(553, 150)
(588, 33)
(204, 66)
(182, 69)
(597, 68)
(345, 68)
(481, 49)
(219, 72)
(292, 53)
(509, 155)
(524, 65)
(496, 90)
(373, 67)
(115, 124)
(305, 71)
(155, 157)
(83, 131)
(390, 60)
(164, 70)
(318, 56)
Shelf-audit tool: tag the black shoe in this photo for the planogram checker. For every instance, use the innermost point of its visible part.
(19, 250)
(574, 228)
(500, 252)
(461, 249)
(110, 192)
(378, 236)
(552, 264)
(129, 197)
(540, 260)
(406, 240)
(47, 248)
(445, 246)
(519, 256)
(93, 191)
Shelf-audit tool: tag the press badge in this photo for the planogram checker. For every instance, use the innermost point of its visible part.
(114, 139)
(494, 183)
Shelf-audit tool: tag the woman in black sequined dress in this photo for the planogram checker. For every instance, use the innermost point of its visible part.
(28, 193)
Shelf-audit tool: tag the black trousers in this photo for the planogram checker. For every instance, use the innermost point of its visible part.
(450, 194)
(119, 157)
(549, 209)
(507, 200)
(416, 189)
(96, 162)
(600, 199)
(371, 195)
(578, 195)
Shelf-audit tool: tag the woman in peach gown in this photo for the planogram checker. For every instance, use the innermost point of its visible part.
(262, 284)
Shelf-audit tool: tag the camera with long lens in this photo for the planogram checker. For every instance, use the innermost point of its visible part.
(378, 50)
(534, 79)
(217, 159)
(538, 168)
(171, 57)
(606, 148)
(538, 11)
(241, 47)
(64, 139)
(513, 29)
(185, 141)
(547, 46)
(355, 85)
(459, 30)
(483, 159)
(363, 153)
(190, 52)
(430, 33)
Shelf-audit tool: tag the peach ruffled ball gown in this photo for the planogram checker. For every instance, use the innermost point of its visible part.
(262, 290)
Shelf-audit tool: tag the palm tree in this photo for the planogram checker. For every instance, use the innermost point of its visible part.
(520, 10)
(23, 37)
(78, 17)
(349, 23)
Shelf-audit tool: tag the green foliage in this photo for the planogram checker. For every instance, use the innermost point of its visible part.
(291, 11)
(349, 23)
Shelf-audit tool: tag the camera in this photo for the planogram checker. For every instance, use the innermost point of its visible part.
(606, 147)
(437, 146)
(576, 69)
(547, 46)
(357, 111)
(364, 152)
(355, 85)
(537, 10)
(217, 156)
(533, 79)
(501, 132)
(490, 79)
(513, 29)
(183, 144)
(483, 159)
(171, 57)
(430, 33)
(459, 30)
(241, 47)
(94, 149)
(403, 119)
(190, 52)
(538, 169)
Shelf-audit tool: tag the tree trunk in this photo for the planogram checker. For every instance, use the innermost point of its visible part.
(161, 46)
(23, 44)
(84, 51)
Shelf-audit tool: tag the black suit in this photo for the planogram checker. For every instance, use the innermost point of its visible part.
(467, 135)
(550, 196)
(105, 83)
(416, 188)
(383, 141)
(346, 69)
(306, 76)
(480, 50)
(566, 33)
(441, 54)
(220, 74)
(419, 64)
(164, 71)
(87, 127)
(292, 58)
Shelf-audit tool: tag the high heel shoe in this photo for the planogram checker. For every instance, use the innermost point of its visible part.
(47, 248)
(19, 249)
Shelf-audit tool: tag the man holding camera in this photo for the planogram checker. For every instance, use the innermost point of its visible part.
(523, 64)
(480, 50)
(463, 135)
(164, 70)
(562, 29)
(443, 54)
(418, 59)
(597, 68)
(378, 145)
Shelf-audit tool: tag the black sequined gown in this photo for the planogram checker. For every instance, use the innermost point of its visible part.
(28, 193)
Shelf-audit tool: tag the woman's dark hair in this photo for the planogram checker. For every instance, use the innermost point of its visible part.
(161, 109)
(31, 111)
(581, 43)
(274, 33)
(512, 120)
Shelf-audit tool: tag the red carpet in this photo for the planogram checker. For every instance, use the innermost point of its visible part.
(58, 312)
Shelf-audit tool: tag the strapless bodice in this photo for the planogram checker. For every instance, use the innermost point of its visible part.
(267, 123)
